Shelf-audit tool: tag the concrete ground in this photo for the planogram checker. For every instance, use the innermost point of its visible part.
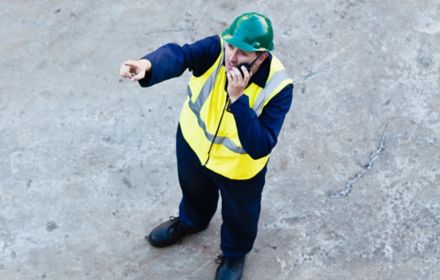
(87, 160)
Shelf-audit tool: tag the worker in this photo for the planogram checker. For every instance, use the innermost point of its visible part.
(237, 100)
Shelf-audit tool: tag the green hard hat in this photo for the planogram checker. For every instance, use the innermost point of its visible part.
(250, 32)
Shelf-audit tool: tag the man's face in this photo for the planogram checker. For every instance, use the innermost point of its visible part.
(234, 57)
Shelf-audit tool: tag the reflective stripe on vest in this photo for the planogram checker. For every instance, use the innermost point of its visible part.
(196, 107)
(271, 85)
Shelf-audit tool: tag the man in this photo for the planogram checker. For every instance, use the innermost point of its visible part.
(238, 97)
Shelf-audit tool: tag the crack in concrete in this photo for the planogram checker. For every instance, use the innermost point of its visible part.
(198, 270)
(349, 185)
(310, 74)
(327, 64)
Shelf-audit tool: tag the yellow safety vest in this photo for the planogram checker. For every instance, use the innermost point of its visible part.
(211, 131)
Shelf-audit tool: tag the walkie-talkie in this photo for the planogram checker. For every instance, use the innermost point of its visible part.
(248, 65)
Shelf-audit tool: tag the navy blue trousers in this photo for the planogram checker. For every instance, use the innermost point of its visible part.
(241, 200)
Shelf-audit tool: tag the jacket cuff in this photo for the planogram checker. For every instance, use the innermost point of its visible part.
(240, 109)
(146, 81)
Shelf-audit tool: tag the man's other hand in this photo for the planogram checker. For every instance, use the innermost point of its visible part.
(135, 69)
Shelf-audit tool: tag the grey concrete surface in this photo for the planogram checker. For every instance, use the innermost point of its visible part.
(87, 163)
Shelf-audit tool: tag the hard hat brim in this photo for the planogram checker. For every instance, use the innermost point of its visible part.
(240, 44)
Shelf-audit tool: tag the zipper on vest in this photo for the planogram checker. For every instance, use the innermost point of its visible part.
(218, 128)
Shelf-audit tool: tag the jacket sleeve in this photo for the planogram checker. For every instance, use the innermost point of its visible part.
(258, 135)
(171, 60)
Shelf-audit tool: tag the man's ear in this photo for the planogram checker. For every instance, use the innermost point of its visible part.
(262, 58)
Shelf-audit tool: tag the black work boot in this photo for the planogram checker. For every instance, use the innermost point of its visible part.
(170, 232)
(229, 268)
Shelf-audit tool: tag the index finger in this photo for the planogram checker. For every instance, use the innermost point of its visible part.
(131, 63)
(245, 72)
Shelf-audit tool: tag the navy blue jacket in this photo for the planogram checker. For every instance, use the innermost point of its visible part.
(258, 135)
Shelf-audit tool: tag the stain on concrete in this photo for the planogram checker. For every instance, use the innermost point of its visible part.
(51, 226)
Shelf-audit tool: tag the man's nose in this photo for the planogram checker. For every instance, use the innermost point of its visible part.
(233, 56)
